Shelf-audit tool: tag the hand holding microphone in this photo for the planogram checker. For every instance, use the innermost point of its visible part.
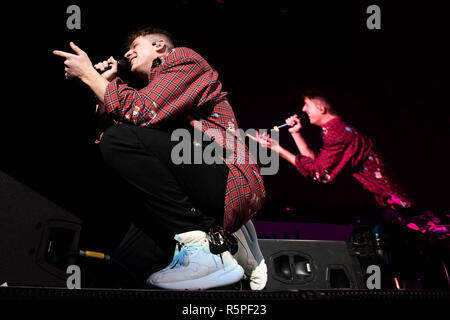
(108, 68)
(78, 64)
(266, 141)
(293, 122)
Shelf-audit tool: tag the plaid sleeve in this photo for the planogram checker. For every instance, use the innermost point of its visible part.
(331, 159)
(173, 91)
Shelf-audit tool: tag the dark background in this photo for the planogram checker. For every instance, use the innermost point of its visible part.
(390, 83)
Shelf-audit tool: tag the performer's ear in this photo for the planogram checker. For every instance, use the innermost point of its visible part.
(322, 109)
(160, 45)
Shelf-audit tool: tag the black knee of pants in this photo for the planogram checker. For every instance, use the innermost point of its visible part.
(182, 197)
(110, 143)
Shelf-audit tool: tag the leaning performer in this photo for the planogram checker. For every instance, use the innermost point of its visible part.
(199, 205)
(345, 150)
(343, 146)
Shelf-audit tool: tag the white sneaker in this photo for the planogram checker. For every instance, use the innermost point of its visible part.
(250, 257)
(195, 267)
(258, 276)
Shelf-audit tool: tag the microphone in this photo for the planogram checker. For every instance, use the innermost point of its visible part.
(277, 128)
(122, 65)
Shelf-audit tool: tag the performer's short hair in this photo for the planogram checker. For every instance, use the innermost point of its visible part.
(170, 42)
(322, 95)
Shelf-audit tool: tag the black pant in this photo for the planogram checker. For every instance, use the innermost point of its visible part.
(176, 198)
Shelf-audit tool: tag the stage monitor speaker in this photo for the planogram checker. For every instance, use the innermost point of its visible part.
(37, 237)
(306, 264)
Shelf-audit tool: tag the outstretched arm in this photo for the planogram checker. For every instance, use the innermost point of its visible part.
(79, 66)
(267, 142)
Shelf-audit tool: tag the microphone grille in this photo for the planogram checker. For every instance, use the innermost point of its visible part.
(122, 63)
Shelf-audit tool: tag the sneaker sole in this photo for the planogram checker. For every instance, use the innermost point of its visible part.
(222, 277)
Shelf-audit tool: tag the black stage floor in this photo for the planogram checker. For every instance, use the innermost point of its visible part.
(63, 294)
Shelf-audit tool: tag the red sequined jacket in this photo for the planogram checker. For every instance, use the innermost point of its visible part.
(344, 146)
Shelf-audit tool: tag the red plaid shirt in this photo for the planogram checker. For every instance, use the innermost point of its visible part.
(344, 146)
(183, 84)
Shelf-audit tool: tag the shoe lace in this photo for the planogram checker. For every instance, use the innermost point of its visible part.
(182, 257)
